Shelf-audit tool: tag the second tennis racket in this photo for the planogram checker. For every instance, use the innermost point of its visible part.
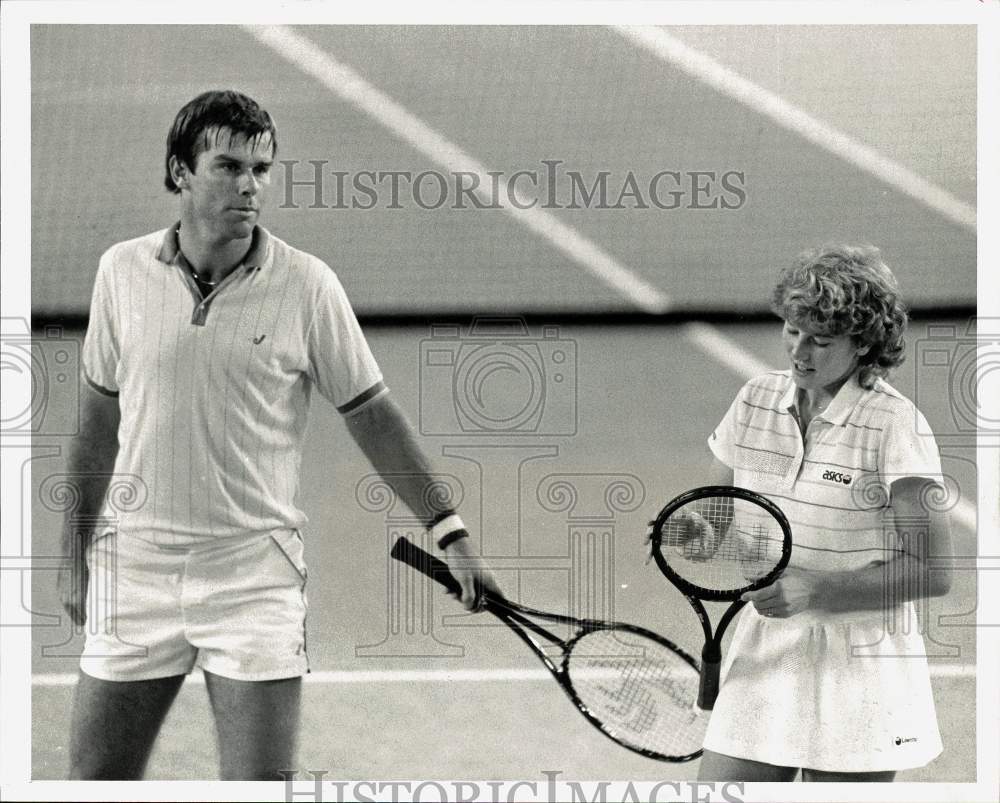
(716, 543)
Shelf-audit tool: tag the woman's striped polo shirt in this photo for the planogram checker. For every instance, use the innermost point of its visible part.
(833, 483)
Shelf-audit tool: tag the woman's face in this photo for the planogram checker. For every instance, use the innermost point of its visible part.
(819, 362)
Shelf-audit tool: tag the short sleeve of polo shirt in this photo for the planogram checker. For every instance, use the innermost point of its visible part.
(722, 441)
(101, 345)
(906, 453)
(340, 361)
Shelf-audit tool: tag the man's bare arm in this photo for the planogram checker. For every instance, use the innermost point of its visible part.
(388, 440)
(91, 461)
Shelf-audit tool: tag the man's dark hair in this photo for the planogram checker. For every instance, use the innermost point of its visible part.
(217, 111)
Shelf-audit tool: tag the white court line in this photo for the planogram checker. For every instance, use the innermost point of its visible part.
(703, 68)
(371, 676)
(351, 87)
(348, 85)
(53, 680)
(725, 351)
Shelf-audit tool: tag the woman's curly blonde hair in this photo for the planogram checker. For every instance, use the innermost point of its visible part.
(846, 290)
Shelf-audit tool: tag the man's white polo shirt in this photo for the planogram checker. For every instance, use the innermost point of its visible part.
(833, 483)
(214, 392)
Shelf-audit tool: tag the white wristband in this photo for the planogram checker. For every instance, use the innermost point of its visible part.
(447, 525)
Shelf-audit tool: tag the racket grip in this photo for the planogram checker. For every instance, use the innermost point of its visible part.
(409, 553)
(708, 688)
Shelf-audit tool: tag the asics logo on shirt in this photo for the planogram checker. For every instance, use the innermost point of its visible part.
(837, 476)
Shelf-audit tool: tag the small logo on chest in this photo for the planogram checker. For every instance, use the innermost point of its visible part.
(259, 339)
(837, 476)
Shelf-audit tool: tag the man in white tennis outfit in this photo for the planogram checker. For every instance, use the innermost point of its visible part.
(205, 343)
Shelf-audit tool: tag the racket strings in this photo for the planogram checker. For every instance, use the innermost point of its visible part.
(746, 544)
(721, 544)
(644, 693)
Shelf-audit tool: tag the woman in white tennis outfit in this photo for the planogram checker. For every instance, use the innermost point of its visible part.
(826, 671)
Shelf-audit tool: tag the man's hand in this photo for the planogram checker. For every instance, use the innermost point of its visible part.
(471, 572)
(72, 583)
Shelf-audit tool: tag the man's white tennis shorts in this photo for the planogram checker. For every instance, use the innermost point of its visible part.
(235, 606)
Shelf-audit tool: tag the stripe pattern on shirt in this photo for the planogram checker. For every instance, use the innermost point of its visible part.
(214, 392)
(833, 482)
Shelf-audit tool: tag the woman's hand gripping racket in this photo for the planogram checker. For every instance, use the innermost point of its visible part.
(717, 543)
(636, 687)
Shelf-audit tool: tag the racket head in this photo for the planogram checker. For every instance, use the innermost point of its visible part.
(746, 547)
(638, 688)
(650, 668)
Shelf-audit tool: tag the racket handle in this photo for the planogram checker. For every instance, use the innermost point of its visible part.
(425, 563)
(708, 688)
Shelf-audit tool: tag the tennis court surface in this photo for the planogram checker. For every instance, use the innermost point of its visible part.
(414, 688)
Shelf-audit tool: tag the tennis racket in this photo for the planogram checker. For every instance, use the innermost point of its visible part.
(636, 687)
(716, 543)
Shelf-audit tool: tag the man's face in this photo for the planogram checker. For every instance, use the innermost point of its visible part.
(225, 190)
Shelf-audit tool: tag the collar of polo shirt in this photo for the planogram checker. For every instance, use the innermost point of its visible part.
(170, 250)
(839, 408)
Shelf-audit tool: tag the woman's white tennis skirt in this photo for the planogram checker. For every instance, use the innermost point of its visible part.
(838, 694)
